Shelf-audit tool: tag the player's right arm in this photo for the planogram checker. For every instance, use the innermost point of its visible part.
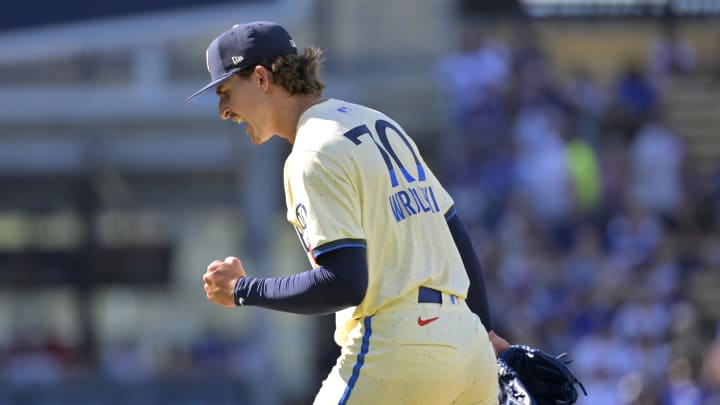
(324, 207)
(339, 282)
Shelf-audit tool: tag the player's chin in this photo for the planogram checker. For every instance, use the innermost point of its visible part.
(258, 139)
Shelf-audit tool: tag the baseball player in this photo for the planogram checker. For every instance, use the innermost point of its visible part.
(389, 254)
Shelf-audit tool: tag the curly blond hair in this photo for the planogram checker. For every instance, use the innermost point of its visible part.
(297, 74)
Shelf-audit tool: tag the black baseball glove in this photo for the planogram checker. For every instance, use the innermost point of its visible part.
(528, 376)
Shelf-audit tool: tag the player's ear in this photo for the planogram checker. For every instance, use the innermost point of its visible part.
(263, 77)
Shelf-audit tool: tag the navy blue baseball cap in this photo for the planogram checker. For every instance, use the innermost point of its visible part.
(244, 46)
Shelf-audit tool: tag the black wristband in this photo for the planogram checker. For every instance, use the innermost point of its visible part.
(239, 301)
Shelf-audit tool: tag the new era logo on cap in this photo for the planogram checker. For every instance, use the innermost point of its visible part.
(244, 46)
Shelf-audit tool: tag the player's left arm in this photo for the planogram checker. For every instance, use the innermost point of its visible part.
(477, 295)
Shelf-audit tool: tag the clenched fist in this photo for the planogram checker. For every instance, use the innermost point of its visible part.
(220, 280)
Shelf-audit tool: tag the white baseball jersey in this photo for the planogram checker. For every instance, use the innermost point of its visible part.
(354, 178)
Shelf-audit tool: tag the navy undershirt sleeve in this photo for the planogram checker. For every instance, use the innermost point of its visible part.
(340, 282)
(477, 297)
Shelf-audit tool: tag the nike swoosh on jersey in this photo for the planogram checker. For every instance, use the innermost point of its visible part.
(423, 322)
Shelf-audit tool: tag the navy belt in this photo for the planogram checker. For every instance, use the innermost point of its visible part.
(429, 295)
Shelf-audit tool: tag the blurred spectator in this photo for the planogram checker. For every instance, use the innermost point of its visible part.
(682, 389)
(614, 162)
(633, 235)
(657, 157)
(642, 318)
(585, 174)
(587, 103)
(669, 55)
(475, 79)
(542, 167)
(601, 359)
(686, 340)
(635, 98)
(710, 371)
(516, 228)
(652, 357)
(495, 181)
(664, 276)
(583, 261)
(534, 85)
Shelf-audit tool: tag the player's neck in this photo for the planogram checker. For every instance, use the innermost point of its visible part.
(291, 112)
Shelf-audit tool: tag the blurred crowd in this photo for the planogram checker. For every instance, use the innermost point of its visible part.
(597, 236)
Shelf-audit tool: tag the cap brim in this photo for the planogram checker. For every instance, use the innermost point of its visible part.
(194, 97)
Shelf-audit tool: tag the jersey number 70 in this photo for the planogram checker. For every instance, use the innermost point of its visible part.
(386, 150)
